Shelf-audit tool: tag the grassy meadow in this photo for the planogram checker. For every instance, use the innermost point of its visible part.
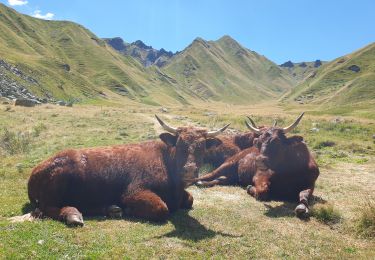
(225, 222)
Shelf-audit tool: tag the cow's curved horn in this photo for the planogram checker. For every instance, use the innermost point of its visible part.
(215, 133)
(166, 127)
(252, 122)
(251, 127)
(294, 125)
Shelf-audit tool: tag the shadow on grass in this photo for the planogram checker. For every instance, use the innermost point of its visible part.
(188, 228)
(27, 208)
(287, 208)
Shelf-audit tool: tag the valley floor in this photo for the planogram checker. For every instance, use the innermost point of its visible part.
(225, 222)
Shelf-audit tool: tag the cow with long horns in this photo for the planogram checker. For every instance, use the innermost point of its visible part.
(277, 167)
(147, 180)
(231, 145)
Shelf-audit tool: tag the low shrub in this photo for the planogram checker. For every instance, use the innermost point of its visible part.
(15, 142)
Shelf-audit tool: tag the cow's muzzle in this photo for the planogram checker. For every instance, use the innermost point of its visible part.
(191, 169)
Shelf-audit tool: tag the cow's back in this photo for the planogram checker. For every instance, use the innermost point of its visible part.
(96, 176)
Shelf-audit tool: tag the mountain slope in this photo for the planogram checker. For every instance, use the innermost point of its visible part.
(346, 80)
(63, 60)
(224, 70)
(300, 71)
(68, 61)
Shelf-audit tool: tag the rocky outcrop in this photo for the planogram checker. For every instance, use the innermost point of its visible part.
(317, 63)
(14, 70)
(145, 54)
(14, 86)
(354, 68)
(12, 89)
(287, 64)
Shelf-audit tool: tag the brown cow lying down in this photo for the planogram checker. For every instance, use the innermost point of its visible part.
(146, 180)
(277, 167)
(230, 145)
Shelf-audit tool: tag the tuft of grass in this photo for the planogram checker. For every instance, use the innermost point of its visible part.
(321, 144)
(15, 142)
(40, 127)
(366, 222)
(326, 213)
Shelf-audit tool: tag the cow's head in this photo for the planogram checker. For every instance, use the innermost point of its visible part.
(272, 141)
(190, 144)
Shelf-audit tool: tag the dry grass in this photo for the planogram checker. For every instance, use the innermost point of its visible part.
(225, 221)
(366, 221)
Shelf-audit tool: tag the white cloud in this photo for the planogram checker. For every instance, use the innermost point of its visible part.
(17, 2)
(47, 16)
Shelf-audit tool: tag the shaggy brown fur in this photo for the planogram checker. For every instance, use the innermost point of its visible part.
(276, 167)
(147, 180)
(230, 145)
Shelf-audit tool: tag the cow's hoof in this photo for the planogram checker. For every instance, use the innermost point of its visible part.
(74, 220)
(250, 190)
(114, 211)
(302, 211)
(200, 184)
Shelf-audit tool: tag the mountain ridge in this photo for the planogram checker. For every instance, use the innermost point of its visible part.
(67, 61)
(145, 54)
(345, 80)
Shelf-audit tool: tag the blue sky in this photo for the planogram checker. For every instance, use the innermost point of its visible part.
(297, 30)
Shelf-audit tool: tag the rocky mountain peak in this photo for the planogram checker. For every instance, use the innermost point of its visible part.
(142, 52)
(287, 64)
(117, 43)
(141, 45)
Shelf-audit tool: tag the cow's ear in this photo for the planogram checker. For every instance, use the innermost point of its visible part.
(211, 142)
(168, 139)
(295, 139)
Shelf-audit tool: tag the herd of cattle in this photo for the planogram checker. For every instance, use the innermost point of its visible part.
(148, 180)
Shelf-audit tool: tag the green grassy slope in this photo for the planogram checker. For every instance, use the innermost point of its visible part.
(335, 84)
(224, 70)
(68, 61)
(43, 49)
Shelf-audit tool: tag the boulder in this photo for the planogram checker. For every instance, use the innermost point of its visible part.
(25, 102)
(66, 67)
(354, 68)
(61, 103)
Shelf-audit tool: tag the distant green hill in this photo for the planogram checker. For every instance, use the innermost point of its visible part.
(68, 61)
(63, 60)
(346, 80)
(224, 70)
